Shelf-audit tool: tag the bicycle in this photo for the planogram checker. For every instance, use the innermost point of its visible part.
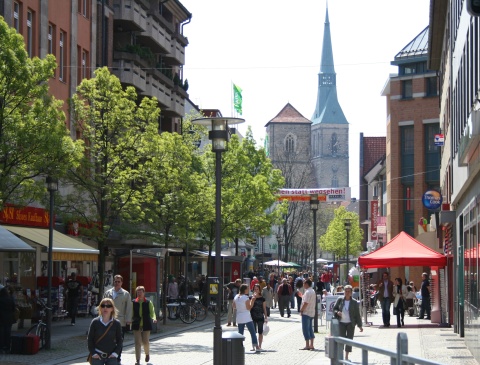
(179, 308)
(40, 329)
(200, 309)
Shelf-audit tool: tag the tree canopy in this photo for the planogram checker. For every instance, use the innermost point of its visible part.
(34, 141)
(120, 134)
(335, 238)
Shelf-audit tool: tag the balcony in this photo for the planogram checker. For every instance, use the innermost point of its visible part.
(155, 37)
(155, 88)
(129, 15)
(130, 73)
(177, 107)
(177, 52)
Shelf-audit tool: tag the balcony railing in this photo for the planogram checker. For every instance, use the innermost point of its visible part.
(130, 15)
(130, 73)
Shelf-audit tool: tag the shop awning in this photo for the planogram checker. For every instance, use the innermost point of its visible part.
(61, 242)
(10, 242)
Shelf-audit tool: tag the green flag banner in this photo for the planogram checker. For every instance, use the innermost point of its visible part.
(237, 99)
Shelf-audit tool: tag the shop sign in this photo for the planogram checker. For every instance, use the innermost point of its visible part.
(432, 200)
(324, 194)
(373, 219)
(26, 216)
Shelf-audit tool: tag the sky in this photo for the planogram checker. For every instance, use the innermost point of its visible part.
(272, 50)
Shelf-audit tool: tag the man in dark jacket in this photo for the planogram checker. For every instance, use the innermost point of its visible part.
(74, 293)
(284, 292)
(385, 296)
(232, 289)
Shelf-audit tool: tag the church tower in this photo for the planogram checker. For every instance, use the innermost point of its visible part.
(329, 130)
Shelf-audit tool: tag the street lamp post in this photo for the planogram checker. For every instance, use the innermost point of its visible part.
(348, 226)
(52, 187)
(314, 208)
(263, 254)
(279, 241)
(218, 134)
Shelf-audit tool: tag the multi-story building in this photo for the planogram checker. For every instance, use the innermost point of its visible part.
(372, 208)
(454, 46)
(412, 157)
(62, 28)
(141, 41)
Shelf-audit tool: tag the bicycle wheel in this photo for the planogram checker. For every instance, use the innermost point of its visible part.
(187, 313)
(40, 330)
(201, 311)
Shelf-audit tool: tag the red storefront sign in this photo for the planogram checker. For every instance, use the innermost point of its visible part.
(373, 220)
(27, 216)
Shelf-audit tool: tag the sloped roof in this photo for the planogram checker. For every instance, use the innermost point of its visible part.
(374, 150)
(289, 115)
(417, 48)
(402, 250)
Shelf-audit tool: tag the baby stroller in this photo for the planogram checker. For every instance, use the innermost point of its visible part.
(411, 307)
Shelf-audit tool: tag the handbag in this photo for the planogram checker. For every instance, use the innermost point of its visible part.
(395, 310)
(405, 305)
(89, 357)
(266, 329)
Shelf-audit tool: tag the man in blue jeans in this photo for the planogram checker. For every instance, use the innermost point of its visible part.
(385, 296)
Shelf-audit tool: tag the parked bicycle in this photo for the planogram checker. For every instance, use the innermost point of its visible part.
(179, 308)
(40, 329)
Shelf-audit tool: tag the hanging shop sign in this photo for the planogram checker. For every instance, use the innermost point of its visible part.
(324, 194)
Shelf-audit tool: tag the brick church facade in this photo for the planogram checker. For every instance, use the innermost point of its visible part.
(313, 153)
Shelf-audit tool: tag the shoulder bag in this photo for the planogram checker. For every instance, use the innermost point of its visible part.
(89, 358)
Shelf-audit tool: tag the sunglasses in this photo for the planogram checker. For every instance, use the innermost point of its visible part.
(117, 281)
(106, 306)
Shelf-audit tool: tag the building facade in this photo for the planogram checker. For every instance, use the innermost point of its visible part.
(412, 159)
(454, 48)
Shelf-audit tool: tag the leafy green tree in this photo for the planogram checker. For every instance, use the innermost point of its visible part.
(120, 136)
(34, 140)
(249, 191)
(335, 238)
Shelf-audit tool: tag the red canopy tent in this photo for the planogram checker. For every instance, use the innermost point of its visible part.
(402, 250)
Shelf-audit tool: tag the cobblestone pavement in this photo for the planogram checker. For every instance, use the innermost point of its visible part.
(179, 344)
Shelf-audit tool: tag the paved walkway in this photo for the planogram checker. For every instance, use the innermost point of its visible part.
(178, 343)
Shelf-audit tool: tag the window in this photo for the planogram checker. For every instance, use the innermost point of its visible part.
(407, 145)
(29, 34)
(85, 8)
(16, 16)
(62, 56)
(84, 64)
(334, 144)
(407, 92)
(432, 154)
(50, 39)
(431, 88)
(289, 144)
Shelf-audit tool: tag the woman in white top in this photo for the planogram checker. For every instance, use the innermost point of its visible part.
(400, 292)
(242, 303)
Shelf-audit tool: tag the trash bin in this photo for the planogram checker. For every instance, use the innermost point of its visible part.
(233, 352)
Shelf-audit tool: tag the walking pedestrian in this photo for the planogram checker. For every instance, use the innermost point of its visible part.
(267, 293)
(385, 296)
(291, 282)
(400, 292)
(284, 293)
(347, 310)
(74, 293)
(259, 313)
(425, 292)
(307, 311)
(232, 289)
(299, 290)
(143, 317)
(123, 304)
(242, 303)
(105, 335)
